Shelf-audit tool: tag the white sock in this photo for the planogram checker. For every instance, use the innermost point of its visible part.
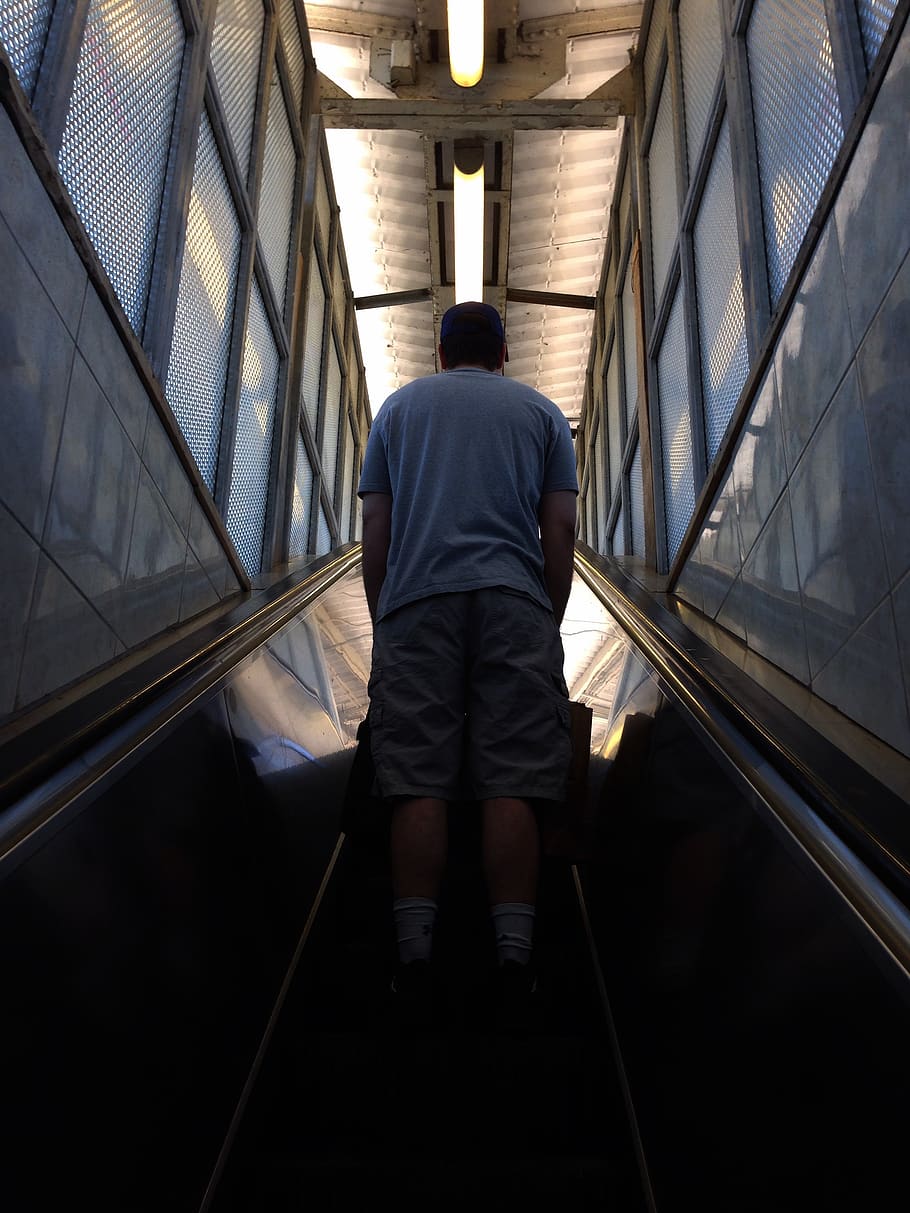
(414, 920)
(513, 924)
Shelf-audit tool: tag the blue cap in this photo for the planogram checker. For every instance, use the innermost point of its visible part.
(465, 319)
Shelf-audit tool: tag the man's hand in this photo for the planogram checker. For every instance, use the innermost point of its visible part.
(377, 535)
(556, 515)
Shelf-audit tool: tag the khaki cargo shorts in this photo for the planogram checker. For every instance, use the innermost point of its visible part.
(468, 699)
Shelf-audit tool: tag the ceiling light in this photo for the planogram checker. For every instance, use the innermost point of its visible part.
(465, 20)
(468, 235)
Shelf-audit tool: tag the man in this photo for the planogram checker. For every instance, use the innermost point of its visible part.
(469, 491)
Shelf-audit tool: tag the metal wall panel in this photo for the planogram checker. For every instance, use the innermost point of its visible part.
(23, 31)
(664, 208)
(701, 49)
(236, 43)
(675, 428)
(293, 49)
(298, 543)
(315, 330)
(629, 346)
(874, 18)
(276, 202)
(637, 505)
(332, 419)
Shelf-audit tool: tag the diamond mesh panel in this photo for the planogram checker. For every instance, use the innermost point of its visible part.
(205, 308)
(236, 42)
(332, 418)
(339, 298)
(116, 141)
(619, 534)
(323, 535)
(637, 505)
(797, 120)
(702, 52)
(874, 20)
(601, 489)
(662, 188)
(323, 210)
(675, 429)
(721, 313)
(347, 483)
(589, 515)
(276, 201)
(298, 543)
(614, 405)
(23, 30)
(253, 439)
(655, 44)
(625, 204)
(290, 37)
(630, 358)
(312, 356)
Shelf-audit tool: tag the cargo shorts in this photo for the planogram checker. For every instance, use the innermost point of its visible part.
(468, 700)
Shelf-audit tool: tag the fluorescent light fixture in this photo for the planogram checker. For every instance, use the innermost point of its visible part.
(465, 20)
(468, 235)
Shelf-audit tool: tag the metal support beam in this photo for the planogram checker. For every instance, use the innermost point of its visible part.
(393, 299)
(623, 18)
(440, 118)
(515, 294)
(359, 24)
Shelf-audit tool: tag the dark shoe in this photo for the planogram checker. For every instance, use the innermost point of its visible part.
(515, 998)
(413, 999)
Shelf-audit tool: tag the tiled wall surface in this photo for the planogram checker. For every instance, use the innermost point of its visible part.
(103, 542)
(806, 552)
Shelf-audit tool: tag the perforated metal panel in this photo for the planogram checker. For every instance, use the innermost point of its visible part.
(323, 535)
(797, 120)
(590, 537)
(637, 505)
(23, 31)
(333, 386)
(675, 429)
(625, 206)
(347, 483)
(253, 440)
(339, 296)
(602, 490)
(236, 45)
(276, 200)
(293, 49)
(312, 356)
(116, 141)
(629, 345)
(619, 534)
(614, 407)
(721, 312)
(875, 17)
(701, 48)
(205, 308)
(662, 189)
(654, 48)
(298, 541)
(323, 208)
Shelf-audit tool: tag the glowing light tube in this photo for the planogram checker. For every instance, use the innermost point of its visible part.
(465, 20)
(468, 235)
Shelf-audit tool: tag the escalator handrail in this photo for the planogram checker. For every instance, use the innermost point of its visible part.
(50, 770)
(880, 912)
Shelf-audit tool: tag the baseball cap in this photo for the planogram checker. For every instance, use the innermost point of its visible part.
(467, 318)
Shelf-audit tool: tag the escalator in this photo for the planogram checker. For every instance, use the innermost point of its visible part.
(196, 960)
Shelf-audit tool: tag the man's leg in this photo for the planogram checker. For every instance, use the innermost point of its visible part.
(511, 861)
(418, 843)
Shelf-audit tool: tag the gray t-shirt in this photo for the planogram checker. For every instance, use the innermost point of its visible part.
(467, 456)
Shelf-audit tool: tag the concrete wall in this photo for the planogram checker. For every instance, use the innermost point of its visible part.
(806, 552)
(104, 542)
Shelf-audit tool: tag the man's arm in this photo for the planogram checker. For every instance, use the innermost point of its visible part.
(377, 534)
(556, 515)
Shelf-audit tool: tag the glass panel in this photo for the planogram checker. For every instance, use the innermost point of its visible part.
(23, 29)
(662, 185)
(236, 43)
(619, 534)
(721, 312)
(290, 37)
(675, 429)
(637, 505)
(332, 419)
(276, 201)
(875, 18)
(323, 535)
(797, 120)
(347, 483)
(614, 407)
(629, 346)
(114, 153)
(298, 544)
(701, 49)
(253, 441)
(312, 357)
(205, 308)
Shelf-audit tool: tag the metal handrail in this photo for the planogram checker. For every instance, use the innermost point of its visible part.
(884, 918)
(87, 756)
